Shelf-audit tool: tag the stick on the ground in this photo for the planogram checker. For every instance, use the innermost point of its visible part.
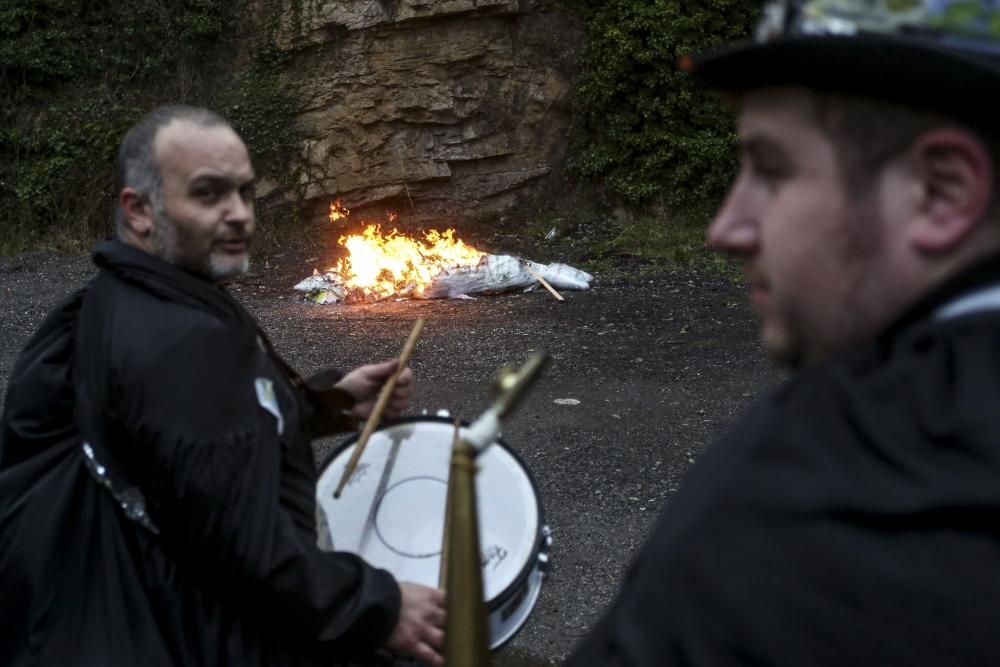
(544, 282)
(383, 400)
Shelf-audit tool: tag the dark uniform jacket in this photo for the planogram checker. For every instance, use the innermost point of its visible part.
(157, 498)
(850, 518)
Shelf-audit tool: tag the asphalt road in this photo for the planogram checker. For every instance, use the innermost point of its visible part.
(654, 367)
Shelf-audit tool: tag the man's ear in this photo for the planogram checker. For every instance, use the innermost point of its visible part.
(956, 177)
(138, 213)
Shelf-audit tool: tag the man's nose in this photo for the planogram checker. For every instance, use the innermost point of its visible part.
(239, 209)
(735, 230)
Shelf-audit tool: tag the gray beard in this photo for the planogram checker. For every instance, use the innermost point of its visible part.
(166, 242)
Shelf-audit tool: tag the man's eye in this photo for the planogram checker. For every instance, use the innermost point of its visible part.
(206, 194)
(770, 171)
(247, 192)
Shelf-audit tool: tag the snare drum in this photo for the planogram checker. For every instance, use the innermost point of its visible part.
(391, 513)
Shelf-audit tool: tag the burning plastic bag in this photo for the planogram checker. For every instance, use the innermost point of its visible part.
(493, 274)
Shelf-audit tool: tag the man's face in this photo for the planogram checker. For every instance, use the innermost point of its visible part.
(205, 220)
(818, 264)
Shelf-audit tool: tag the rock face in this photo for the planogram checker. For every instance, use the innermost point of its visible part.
(430, 108)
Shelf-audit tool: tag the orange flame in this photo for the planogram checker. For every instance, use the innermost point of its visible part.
(379, 265)
(338, 212)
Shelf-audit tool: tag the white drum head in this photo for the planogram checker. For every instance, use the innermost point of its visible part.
(391, 512)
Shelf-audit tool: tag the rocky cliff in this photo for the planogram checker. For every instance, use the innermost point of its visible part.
(431, 108)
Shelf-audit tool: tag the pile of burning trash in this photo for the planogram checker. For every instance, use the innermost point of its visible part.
(392, 265)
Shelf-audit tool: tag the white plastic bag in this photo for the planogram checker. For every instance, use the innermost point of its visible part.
(502, 273)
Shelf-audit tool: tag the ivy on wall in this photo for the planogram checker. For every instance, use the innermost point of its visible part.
(46, 42)
(645, 131)
(75, 74)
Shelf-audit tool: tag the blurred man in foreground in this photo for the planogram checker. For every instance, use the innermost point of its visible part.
(157, 482)
(850, 517)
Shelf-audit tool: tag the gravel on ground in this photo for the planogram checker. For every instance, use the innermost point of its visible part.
(656, 366)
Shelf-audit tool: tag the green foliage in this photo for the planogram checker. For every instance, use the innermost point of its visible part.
(619, 243)
(258, 105)
(645, 129)
(51, 168)
(675, 244)
(44, 43)
(35, 43)
(76, 74)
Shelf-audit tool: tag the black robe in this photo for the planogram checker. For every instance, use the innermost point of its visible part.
(851, 517)
(187, 534)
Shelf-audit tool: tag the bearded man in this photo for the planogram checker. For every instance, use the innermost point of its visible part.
(157, 482)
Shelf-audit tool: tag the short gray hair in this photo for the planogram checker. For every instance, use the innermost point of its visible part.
(136, 167)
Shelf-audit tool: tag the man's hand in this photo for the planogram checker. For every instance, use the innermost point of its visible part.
(364, 383)
(419, 633)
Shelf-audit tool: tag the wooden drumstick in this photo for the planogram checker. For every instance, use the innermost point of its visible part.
(383, 400)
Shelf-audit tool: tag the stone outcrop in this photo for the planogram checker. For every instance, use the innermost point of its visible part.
(432, 108)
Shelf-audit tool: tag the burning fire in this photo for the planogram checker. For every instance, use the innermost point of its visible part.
(379, 265)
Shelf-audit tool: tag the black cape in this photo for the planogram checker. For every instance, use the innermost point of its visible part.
(187, 534)
(851, 517)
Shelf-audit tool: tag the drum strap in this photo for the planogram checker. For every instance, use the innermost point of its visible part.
(100, 460)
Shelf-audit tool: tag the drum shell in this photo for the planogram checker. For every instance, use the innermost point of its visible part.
(509, 607)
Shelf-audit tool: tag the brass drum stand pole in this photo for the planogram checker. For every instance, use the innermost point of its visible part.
(467, 641)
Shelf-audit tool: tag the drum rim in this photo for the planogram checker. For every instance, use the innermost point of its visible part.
(532, 562)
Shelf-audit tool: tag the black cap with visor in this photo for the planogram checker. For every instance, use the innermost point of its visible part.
(941, 55)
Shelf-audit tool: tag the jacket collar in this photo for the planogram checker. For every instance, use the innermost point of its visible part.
(165, 280)
(970, 290)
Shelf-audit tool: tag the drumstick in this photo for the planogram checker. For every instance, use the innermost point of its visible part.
(383, 400)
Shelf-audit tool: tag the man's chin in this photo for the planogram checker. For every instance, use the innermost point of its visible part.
(779, 347)
(230, 267)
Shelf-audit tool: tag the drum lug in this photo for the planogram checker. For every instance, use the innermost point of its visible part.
(543, 553)
(543, 563)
